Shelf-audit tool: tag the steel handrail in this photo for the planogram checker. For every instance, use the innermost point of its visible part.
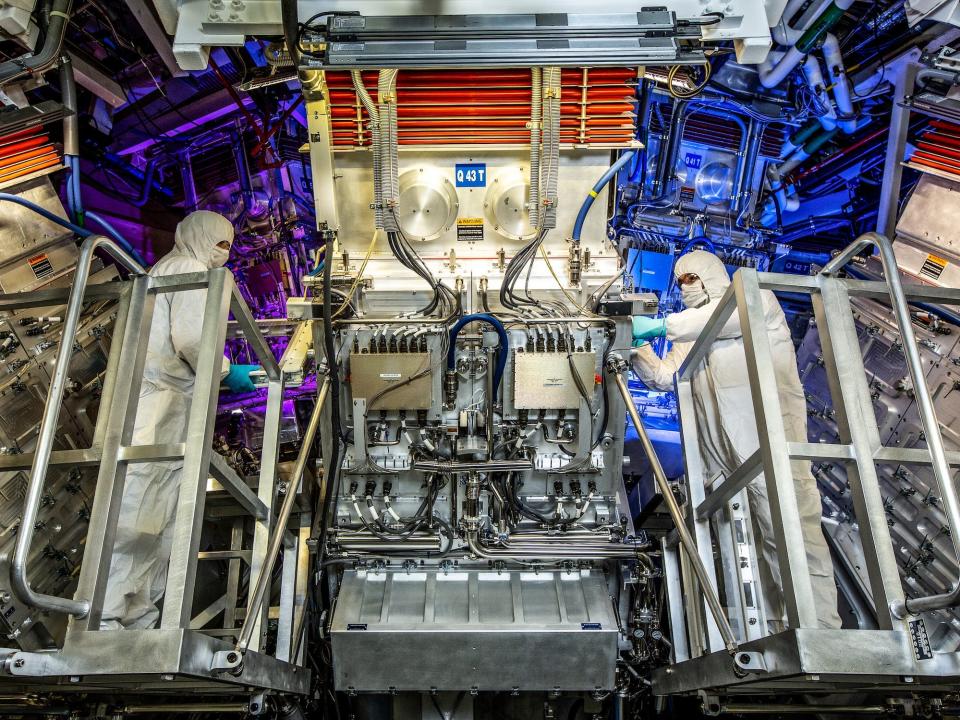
(928, 417)
(276, 539)
(19, 581)
(616, 366)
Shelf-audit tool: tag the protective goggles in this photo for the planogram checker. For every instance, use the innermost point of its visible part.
(688, 278)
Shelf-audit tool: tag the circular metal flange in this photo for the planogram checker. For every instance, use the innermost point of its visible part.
(428, 204)
(714, 183)
(505, 204)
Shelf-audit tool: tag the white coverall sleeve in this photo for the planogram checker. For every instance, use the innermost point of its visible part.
(656, 372)
(186, 324)
(686, 325)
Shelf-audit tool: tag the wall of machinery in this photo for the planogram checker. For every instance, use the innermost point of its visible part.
(445, 218)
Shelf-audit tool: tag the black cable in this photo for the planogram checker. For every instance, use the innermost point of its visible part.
(715, 19)
(332, 464)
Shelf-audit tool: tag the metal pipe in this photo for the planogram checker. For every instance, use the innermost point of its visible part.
(491, 402)
(804, 709)
(187, 708)
(372, 545)
(68, 95)
(928, 416)
(584, 319)
(19, 582)
(546, 553)
(276, 540)
(58, 18)
(615, 367)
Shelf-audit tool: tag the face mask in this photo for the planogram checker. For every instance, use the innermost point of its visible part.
(218, 257)
(694, 294)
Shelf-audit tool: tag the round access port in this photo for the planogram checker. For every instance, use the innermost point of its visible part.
(714, 183)
(505, 205)
(428, 204)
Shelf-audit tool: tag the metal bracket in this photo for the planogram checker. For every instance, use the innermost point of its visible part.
(746, 663)
(229, 661)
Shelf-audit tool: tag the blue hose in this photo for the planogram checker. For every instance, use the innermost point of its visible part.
(501, 353)
(609, 175)
(693, 242)
(45, 213)
(75, 182)
(117, 237)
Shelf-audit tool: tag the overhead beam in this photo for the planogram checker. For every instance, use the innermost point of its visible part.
(96, 81)
(156, 34)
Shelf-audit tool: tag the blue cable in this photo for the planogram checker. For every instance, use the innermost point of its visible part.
(77, 197)
(699, 240)
(118, 238)
(45, 213)
(501, 353)
(598, 186)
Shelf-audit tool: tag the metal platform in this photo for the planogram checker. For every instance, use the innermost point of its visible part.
(816, 661)
(480, 629)
(728, 650)
(178, 654)
(145, 660)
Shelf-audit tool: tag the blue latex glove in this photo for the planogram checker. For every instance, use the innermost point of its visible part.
(238, 379)
(647, 328)
(638, 343)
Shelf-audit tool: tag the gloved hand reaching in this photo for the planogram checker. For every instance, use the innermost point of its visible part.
(238, 379)
(647, 328)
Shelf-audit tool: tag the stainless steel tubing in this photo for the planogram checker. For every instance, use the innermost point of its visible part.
(584, 319)
(928, 416)
(547, 553)
(276, 540)
(20, 583)
(373, 548)
(802, 709)
(615, 367)
(187, 708)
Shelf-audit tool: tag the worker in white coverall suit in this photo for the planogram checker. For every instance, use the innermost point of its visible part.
(726, 422)
(141, 554)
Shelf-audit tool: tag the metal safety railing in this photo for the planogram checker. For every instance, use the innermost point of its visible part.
(928, 417)
(111, 449)
(860, 448)
(20, 582)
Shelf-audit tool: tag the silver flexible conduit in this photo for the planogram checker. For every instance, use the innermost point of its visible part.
(536, 101)
(375, 144)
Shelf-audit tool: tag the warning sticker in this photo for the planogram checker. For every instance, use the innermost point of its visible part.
(933, 267)
(687, 194)
(921, 641)
(470, 229)
(40, 264)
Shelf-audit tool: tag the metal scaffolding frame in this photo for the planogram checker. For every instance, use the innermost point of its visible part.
(805, 657)
(175, 650)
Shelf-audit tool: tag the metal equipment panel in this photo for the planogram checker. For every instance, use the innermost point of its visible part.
(545, 380)
(372, 376)
(487, 630)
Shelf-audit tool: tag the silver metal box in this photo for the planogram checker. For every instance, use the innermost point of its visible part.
(373, 375)
(544, 380)
(398, 630)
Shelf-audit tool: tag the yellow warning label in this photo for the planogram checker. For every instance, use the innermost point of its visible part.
(933, 267)
(470, 229)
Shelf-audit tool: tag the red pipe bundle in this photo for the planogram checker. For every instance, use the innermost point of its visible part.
(25, 152)
(477, 107)
(939, 148)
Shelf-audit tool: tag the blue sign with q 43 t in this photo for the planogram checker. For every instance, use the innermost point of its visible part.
(471, 175)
